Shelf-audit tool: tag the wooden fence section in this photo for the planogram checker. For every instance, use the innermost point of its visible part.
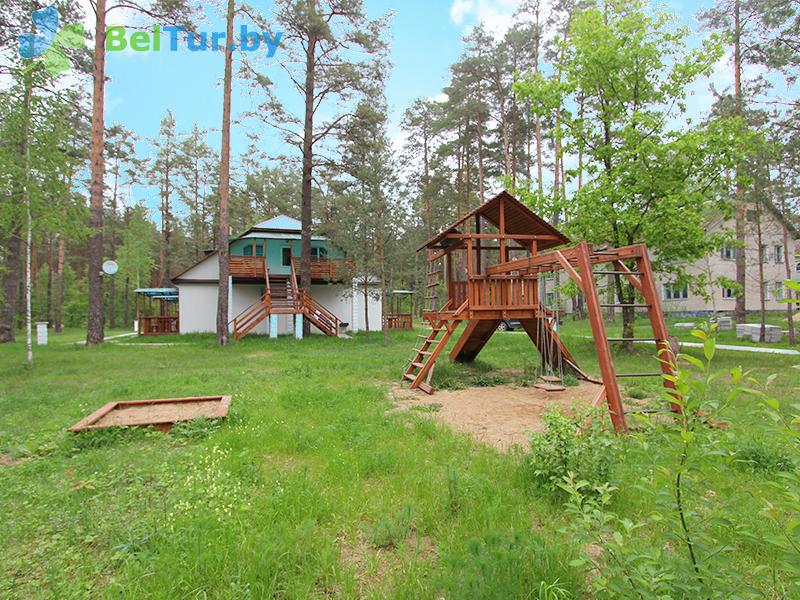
(399, 321)
(158, 325)
(502, 292)
(324, 269)
(248, 267)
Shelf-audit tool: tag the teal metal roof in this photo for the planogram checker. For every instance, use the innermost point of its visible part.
(162, 293)
(280, 222)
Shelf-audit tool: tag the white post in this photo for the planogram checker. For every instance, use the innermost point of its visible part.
(41, 333)
(273, 326)
(298, 326)
(230, 304)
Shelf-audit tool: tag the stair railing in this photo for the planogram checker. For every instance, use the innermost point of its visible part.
(314, 310)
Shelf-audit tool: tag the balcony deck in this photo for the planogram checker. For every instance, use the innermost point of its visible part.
(322, 269)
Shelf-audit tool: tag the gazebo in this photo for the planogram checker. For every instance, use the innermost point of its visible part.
(157, 311)
(395, 317)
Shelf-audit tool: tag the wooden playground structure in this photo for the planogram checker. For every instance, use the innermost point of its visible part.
(499, 262)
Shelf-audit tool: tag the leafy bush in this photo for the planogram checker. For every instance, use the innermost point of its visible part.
(560, 450)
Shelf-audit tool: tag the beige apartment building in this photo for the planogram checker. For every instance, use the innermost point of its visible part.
(771, 252)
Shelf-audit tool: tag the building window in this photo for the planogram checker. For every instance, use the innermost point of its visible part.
(260, 247)
(728, 294)
(777, 291)
(765, 291)
(247, 250)
(728, 253)
(319, 253)
(778, 254)
(286, 257)
(764, 254)
(676, 292)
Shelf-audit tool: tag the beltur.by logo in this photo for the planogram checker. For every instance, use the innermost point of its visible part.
(118, 38)
(50, 41)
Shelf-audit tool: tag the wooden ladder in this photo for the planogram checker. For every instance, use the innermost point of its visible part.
(433, 278)
(420, 370)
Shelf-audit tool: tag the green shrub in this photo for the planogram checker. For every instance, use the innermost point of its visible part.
(560, 450)
(757, 455)
(570, 379)
(390, 530)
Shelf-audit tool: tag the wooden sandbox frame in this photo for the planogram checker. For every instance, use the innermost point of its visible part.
(162, 423)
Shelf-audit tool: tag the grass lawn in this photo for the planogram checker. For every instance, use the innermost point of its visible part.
(309, 488)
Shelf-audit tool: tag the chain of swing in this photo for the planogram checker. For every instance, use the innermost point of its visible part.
(552, 363)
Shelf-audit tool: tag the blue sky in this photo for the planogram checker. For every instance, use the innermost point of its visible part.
(425, 41)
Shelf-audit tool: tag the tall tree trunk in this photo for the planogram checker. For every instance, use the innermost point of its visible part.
(366, 306)
(539, 169)
(59, 296)
(740, 309)
(481, 188)
(787, 265)
(308, 166)
(48, 311)
(94, 324)
(126, 303)
(580, 148)
(112, 291)
(11, 284)
(224, 185)
(382, 259)
(426, 201)
(26, 153)
(762, 255)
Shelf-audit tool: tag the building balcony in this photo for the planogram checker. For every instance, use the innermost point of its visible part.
(325, 269)
(248, 267)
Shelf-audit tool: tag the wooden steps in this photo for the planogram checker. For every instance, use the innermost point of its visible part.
(420, 368)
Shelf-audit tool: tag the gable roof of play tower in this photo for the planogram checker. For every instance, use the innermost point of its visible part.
(519, 220)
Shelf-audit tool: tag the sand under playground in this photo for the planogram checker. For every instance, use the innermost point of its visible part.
(500, 416)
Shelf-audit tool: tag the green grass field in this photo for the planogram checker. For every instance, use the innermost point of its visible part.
(309, 488)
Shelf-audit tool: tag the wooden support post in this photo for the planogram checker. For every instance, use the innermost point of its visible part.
(666, 357)
(478, 243)
(604, 358)
(502, 227)
(469, 259)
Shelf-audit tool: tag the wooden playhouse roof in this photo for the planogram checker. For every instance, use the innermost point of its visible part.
(519, 219)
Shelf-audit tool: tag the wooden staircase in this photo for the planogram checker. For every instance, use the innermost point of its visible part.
(420, 369)
(283, 297)
(251, 317)
(325, 320)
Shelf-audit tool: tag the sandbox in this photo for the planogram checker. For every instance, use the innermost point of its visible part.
(162, 413)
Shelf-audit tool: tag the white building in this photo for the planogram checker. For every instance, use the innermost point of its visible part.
(769, 240)
(264, 296)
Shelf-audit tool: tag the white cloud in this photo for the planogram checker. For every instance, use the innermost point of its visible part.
(440, 98)
(460, 9)
(496, 15)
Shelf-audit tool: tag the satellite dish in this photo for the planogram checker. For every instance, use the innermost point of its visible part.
(110, 267)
